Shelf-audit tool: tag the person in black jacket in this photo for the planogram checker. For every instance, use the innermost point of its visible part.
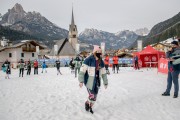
(58, 63)
(72, 65)
(28, 68)
(173, 70)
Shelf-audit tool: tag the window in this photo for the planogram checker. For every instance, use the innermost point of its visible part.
(10, 55)
(32, 54)
(74, 36)
(22, 54)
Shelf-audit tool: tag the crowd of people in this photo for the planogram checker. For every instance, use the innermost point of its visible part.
(92, 68)
(22, 66)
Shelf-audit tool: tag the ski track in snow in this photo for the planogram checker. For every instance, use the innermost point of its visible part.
(131, 95)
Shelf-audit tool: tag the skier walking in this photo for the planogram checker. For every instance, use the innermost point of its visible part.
(21, 67)
(58, 63)
(29, 68)
(91, 71)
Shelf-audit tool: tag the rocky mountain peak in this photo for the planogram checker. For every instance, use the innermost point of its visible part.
(18, 8)
(32, 23)
(13, 15)
(113, 40)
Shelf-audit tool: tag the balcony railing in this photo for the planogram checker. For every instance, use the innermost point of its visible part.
(25, 49)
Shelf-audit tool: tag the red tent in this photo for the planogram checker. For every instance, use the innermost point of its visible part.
(149, 56)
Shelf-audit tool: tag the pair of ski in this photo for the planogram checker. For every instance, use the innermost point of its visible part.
(88, 108)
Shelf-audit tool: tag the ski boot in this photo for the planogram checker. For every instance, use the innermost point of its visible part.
(87, 107)
(91, 111)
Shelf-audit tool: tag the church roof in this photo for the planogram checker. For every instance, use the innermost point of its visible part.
(64, 48)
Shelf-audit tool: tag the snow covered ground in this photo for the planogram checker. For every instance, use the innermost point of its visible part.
(131, 95)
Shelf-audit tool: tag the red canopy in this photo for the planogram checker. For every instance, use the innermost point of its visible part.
(150, 50)
(149, 54)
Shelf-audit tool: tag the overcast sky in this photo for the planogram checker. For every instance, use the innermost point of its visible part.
(106, 15)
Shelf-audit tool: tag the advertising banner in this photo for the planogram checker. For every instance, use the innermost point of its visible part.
(163, 65)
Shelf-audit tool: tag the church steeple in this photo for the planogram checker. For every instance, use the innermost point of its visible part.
(72, 19)
(73, 33)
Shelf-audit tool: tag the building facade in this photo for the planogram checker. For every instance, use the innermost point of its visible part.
(24, 50)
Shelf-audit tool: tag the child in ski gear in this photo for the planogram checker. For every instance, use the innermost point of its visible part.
(90, 72)
(58, 63)
(173, 70)
(44, 67)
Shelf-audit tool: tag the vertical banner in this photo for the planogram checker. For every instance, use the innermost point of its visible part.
(77, 48)
(103, 47)
(55, 49)
(139, 45)
(163, 65)
(37, 50)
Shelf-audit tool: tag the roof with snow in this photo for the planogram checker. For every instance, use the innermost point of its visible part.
(33, 42)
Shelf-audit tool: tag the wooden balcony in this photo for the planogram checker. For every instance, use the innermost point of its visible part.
(25, 49)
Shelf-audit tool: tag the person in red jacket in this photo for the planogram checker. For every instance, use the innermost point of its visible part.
(115, 63)
(106, 62)
(35, 67)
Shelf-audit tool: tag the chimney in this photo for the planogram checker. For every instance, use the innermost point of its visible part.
(4, 42)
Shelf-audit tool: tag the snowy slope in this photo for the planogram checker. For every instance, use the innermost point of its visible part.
(131, 95)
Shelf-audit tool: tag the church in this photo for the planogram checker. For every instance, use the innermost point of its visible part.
(67, 47)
